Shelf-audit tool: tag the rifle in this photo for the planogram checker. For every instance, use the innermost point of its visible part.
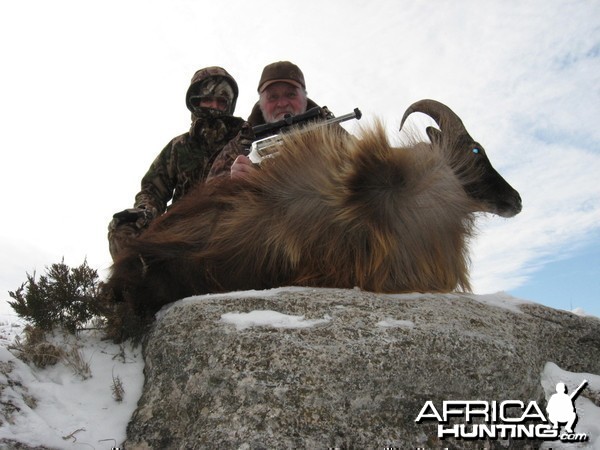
(578, 390)
(268, 129)
(267, 147)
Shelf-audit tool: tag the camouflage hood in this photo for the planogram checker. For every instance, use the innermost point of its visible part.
(208, 73)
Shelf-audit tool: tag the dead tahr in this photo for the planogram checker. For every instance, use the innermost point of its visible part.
(332, 210)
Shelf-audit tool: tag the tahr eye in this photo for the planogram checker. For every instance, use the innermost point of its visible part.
(476, 151)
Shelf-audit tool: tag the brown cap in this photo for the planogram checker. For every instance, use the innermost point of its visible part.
(281, 71)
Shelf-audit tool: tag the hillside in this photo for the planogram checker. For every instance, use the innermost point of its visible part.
(67, 406)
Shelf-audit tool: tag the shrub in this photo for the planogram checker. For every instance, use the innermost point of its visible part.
(63, 298)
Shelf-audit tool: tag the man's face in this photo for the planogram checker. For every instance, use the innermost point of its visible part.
(282, 98)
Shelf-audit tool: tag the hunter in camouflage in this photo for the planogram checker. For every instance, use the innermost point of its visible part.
(186, 159)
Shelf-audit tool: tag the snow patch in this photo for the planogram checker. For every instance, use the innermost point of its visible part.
(393, 323)
(582, 313)
(269, 318)
(500, 300)
(56, 408)
(266, 293)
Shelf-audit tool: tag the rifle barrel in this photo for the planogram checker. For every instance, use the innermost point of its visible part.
(578, 390)
(287, 121)
(356, 114)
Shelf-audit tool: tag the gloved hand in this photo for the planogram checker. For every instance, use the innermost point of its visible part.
(239, 145)
(244, 139)
(326, 114)
(141, 217)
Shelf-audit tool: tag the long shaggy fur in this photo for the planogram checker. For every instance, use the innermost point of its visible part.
(331, 211)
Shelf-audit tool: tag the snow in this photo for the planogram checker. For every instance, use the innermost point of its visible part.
(236, 294)
(394, 323)
(58, 408)
(270, 319)
(500, 300)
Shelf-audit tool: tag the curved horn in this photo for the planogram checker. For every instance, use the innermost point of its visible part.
(445, 118)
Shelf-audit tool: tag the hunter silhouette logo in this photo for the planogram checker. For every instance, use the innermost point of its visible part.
(507, 419)
(561, 406)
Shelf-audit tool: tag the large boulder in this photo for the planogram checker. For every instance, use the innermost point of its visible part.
(321, 368)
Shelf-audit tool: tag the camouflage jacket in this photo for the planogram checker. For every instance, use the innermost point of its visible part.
(185, 161)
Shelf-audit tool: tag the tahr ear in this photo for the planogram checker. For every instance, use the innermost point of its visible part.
(435, 135)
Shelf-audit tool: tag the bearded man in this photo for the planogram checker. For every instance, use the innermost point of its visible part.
(282, 91)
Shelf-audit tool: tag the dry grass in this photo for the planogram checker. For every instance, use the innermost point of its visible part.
(38, 349)
(118, 391)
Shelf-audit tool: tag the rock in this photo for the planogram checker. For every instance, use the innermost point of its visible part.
(351, 369)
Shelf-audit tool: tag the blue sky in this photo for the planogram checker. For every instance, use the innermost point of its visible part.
(92, 91)
(567, 283)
